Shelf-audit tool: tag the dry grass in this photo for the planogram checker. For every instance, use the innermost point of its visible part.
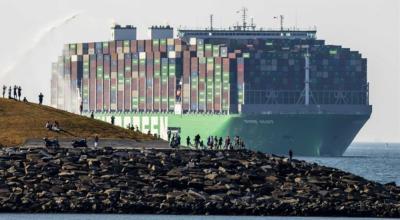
(21, 121)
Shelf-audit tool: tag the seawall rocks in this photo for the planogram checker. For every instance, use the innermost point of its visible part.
(184, 182)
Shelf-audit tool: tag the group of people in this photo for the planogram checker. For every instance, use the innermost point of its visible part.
(175, 141)
(15, 92)
(53, 126)
(213, 142)
(132, 128)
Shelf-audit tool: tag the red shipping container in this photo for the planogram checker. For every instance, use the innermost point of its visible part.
(111, 46)
(135, 81)
(113, 82)
(148, 45)
(149, 80)
(99, 83)
(92, 83)
(142, 84)
(91, 48)
(133, 46)
(106, 92)
(119, 47)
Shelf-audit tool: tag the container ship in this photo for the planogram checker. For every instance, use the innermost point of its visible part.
(277, 89)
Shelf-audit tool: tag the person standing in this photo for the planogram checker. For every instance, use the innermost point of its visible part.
(290, 155)
(15, 92)
(169, 135)
(41, 98)
(220, 143)
(9, 92)
(92, 115)
(112, 120)
(81, 108)
(96, 140)
(19, 93)
(188, 141)
(4, 90)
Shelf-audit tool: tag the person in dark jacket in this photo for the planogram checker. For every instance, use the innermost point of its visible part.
(41, 98)
(19, 93)
(188, 141)
(96, 141)
(4, 90)
(169, 135)
(15, 92)
(112, 120)
(290, 155)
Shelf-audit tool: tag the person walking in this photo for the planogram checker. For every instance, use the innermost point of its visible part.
(81, 108)
(9, 92)
(220, 143)
(169, 135)
(227, 143)
(188, 141)
(290, 155)
(197, 140)
(112, 120)
(96, 140)
(4, 90)
(41, 98)
(178, 140)
(208, 141)
(19, 93)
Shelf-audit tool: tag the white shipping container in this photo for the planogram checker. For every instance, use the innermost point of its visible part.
(171, 54)
(142, 55)
(193, 41)
(74, 58)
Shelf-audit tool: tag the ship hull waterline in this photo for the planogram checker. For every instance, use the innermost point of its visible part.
(306, 135)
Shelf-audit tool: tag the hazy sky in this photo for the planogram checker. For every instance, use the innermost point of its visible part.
(33, 34)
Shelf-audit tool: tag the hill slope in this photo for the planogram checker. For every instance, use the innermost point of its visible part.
(21, 121)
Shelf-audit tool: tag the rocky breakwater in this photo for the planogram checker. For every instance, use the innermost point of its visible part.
(184, 182)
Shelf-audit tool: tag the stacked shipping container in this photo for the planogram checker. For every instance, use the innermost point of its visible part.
(205, 76)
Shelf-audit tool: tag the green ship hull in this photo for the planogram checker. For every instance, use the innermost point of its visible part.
(306, 133)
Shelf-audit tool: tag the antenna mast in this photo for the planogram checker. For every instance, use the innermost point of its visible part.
(211, 21)
(281, 20)
(244, 17)
(252, 25)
